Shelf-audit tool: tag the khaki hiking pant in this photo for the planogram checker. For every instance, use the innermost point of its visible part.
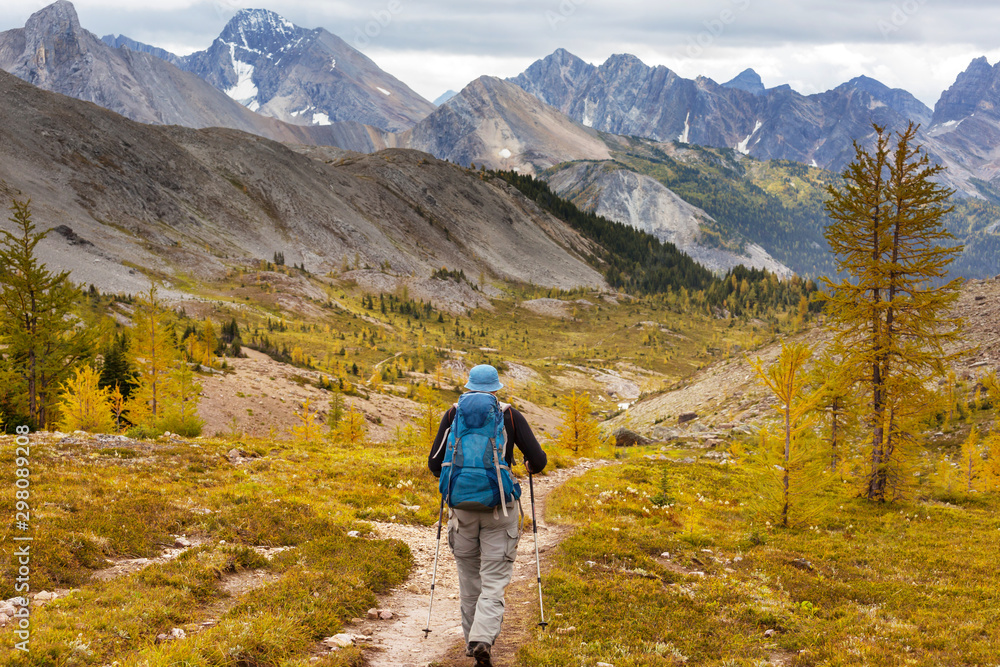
(484, 545)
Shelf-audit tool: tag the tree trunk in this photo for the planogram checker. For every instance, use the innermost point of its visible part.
(834, 424)
(788, 451)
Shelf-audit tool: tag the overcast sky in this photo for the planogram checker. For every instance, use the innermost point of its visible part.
(919, 45)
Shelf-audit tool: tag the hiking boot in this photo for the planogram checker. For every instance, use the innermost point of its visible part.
(481, 652)
(468, 648)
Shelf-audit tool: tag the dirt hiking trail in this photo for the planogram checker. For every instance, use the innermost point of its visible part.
(400, 642)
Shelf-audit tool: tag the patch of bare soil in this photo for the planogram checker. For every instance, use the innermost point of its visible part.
(556, 307)
(400, 641)
(261, 396)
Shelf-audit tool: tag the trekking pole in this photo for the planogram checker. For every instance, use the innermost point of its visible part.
(437, 551)
(538, 566)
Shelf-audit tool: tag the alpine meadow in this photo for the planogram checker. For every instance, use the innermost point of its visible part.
(729, 352)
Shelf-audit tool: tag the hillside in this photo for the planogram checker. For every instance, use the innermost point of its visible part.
(610, 190)
(172, 202)
(494, 123)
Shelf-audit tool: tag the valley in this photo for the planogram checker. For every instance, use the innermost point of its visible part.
(240, 286)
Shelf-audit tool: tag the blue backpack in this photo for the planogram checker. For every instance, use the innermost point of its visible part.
(476, 470)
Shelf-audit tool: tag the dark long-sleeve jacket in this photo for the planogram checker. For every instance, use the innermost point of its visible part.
(518, 433)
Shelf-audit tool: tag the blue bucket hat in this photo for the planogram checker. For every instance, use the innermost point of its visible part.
(483, 378)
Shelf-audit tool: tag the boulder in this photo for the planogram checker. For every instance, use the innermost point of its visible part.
(339, 641)
(628, 438)
(685, 417)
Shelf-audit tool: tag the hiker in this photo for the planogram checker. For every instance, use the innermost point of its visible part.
(482, 531)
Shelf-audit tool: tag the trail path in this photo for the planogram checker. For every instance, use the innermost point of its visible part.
(400, 642)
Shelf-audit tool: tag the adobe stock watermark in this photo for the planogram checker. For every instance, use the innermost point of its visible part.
(381, 18)
(22, 541)
(715, 28)
(900, 15)
(562, 13)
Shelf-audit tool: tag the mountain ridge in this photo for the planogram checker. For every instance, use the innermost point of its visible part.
(178, 201)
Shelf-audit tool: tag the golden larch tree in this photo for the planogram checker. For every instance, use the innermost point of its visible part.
(890, 310)
(786, 469)
(578, 431)
(154, 356)
(84, 405)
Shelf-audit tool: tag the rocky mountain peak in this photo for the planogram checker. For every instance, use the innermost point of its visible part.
(624, 61)
(53, 41)
(260, 30)
(58, 18)
(965, 95)
(747, 80)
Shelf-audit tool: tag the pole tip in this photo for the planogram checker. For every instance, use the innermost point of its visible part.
(542, 625)
(426, 632)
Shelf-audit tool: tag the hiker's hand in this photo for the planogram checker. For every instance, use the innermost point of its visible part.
(527, 466)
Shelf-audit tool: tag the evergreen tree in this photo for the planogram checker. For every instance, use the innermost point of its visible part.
(116, 371)
(890, 308)
(336, 411)
(42, 344)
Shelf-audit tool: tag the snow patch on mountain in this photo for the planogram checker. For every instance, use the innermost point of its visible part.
(742, 146)
(321, 119)
(683, 137)
(383, 90)
(245, 90)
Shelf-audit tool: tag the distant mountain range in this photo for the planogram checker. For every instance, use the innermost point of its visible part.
(54, 52)
(624, 96)
(269, 77)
